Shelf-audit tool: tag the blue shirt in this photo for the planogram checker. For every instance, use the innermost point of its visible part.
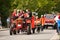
(58, 23)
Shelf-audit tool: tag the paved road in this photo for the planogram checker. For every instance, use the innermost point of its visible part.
(45, 35)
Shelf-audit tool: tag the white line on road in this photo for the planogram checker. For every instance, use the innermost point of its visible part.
(55, 37)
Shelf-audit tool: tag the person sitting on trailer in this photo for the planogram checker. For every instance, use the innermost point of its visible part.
(14, 14)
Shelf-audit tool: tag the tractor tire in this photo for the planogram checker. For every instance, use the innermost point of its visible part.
(14, 32)
(38, 29)
(18, 31)
(12, 26)
(42, 28)
(10, 32)
(55, 26)
(46, 27)
(33, 30)
(28, 29)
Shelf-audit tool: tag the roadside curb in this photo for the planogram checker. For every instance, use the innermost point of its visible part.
(4, 29)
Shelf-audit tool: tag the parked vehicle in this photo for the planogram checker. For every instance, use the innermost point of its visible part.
(49, 20)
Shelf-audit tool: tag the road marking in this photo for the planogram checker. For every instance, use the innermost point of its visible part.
(55, 37)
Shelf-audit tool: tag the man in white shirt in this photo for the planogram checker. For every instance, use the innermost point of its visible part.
(56, 18)
(8, 22)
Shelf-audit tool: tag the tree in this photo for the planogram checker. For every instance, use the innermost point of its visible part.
(45, 6)
(4, 10)
(57, 6)
(40, 6)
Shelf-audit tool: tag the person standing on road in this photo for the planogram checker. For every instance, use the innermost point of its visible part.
(38, 24)
(32, 23)
(58, 25)
(8, 22)
(56, 18)
(42, 19)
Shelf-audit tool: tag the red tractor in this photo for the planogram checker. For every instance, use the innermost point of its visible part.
(20, 24)
(16, 25)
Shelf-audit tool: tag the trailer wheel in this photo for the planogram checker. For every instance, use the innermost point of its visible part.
(46, 27)
(11, 30)
(38, 29)
(33, 30)
(14, 32)
(28, 29)
(18, 31)
(55, 26)
(42, 28)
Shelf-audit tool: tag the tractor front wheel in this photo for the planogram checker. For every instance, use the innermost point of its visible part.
(10, 32)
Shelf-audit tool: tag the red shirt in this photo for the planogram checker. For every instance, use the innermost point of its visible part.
(32, 22)
(14, 14)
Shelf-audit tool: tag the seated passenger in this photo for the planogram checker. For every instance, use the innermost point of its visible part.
(14, 14)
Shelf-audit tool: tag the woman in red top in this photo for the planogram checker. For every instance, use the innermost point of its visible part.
(32, 24)
(14, 14)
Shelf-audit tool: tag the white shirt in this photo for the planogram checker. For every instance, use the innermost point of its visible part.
(56, 18)
(8, 20)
